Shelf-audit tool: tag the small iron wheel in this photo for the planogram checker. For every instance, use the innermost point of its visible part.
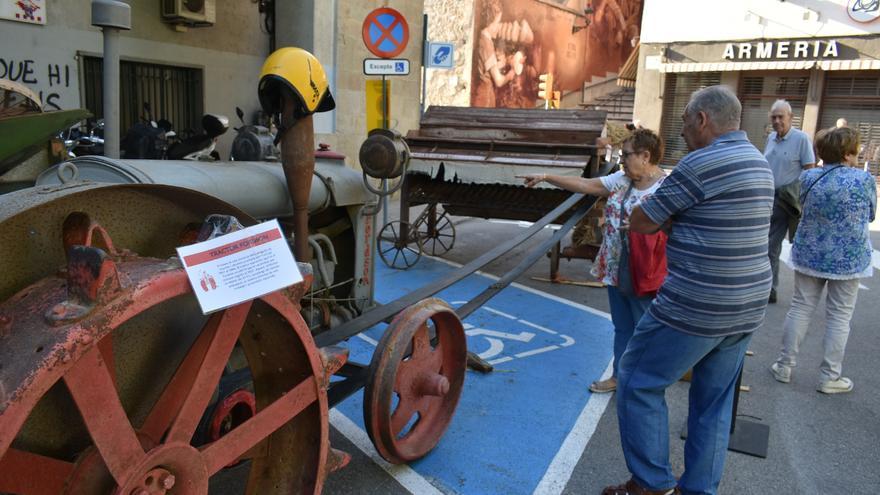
(436, 232)
(415, 381)
(398, 245)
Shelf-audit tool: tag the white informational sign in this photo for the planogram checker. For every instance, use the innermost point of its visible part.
(386, 66)
(240, 266)
(30, 11)
(440, 55)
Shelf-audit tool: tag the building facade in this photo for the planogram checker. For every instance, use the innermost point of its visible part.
(823, 56)
(210, 63)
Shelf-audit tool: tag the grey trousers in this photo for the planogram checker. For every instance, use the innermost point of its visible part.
(839, 306)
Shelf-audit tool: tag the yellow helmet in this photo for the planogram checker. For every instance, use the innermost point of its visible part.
(298, 71)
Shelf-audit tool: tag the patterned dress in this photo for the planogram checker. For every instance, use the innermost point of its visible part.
(607, 260)
(832, 239)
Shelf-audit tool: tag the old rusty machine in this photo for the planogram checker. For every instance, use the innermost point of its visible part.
(113, 381)
(464, 162)
(109, 372)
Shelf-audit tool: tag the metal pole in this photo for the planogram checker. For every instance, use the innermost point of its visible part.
(111, 16)
(110, 83)
(384, 126)
(424, 69)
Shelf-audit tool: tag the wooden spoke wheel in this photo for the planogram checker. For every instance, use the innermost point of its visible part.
(398, 245)
(415, 381)
(107, 368)
(436, 231)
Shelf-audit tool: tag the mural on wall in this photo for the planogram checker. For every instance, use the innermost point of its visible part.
(30, 11)
(517, 40)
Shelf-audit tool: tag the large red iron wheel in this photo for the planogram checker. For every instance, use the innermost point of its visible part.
(107, 367)
(415, 380)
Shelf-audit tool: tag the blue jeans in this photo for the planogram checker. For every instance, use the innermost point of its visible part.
(657, 356)
(626, 311)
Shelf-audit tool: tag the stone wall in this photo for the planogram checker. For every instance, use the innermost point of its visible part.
(451, 21)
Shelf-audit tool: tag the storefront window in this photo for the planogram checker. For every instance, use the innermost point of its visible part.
(679, 88)
(856, 98)
(757, 92)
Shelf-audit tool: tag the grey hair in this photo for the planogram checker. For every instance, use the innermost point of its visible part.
(781, 105)
(720, 105)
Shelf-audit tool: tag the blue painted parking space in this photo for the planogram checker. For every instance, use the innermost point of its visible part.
(511, 424)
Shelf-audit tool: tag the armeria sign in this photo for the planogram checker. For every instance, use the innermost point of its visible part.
(784, 49)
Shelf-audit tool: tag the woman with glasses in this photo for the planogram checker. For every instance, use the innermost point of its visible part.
(641, 175)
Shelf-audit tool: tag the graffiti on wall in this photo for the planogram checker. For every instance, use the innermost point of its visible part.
(574, 40)
(30, 11)
(49, 80)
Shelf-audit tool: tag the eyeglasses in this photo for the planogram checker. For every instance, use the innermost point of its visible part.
(625, 154)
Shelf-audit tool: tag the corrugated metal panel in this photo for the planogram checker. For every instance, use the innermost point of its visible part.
(679, 88)
(757, 92)
(855, 97)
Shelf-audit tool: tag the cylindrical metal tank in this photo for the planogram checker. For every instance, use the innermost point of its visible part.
(258, 188)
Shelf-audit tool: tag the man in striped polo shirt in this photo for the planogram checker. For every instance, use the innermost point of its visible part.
(716, 204)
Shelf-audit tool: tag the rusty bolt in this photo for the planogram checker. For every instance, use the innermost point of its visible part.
(435, 384)
(167, 481)
(140, 491)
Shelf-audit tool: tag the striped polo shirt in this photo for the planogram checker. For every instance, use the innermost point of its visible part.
(719, 199)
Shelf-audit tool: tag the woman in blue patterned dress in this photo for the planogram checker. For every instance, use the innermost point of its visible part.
(832, 249)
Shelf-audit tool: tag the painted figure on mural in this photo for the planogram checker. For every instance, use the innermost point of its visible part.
(504, 53)
(575, 41)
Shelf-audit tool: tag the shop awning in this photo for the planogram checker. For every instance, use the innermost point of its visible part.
(772, 65)
(627, 74)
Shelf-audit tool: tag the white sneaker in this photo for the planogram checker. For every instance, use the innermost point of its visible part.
(840, 386)
(781, 372)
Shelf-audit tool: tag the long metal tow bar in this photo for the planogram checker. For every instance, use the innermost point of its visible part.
(356, 373)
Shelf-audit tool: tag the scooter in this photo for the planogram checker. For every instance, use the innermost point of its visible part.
(200, 146)
(147, 139)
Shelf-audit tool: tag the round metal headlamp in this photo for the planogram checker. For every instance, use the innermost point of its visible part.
(384, 154)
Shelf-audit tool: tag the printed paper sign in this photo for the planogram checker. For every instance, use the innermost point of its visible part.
(240, 266)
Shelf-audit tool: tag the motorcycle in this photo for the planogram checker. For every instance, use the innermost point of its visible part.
(84, 138)
(156, 140)
(253, 142)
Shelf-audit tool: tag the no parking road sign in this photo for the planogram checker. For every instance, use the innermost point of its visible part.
(385, 32)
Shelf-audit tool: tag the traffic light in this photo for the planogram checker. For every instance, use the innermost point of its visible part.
(557, 99)
(545, 88)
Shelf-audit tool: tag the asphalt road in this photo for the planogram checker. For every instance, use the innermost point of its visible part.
(817, 443)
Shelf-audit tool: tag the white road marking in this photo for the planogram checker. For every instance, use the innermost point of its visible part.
(541, 293)
(373, 342)
(575, 443)
(558, 472)
(405, 475)
(536, 351)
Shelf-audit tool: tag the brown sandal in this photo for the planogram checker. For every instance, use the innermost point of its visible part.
(633, 488)
(604, 386)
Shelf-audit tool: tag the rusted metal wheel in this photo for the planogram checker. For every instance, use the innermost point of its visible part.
(436, 232)
(107, 367)
(398, 245)
(415, 381)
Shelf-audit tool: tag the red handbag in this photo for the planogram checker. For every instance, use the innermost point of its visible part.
(647, 261)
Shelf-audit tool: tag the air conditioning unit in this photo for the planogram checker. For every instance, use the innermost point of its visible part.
(193, 13)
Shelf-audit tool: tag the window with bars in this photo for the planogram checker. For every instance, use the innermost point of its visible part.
(856, 98)
(174, 93)
(679, 88)
(757, 92)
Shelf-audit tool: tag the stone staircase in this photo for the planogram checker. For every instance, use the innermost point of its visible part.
(618, 104)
